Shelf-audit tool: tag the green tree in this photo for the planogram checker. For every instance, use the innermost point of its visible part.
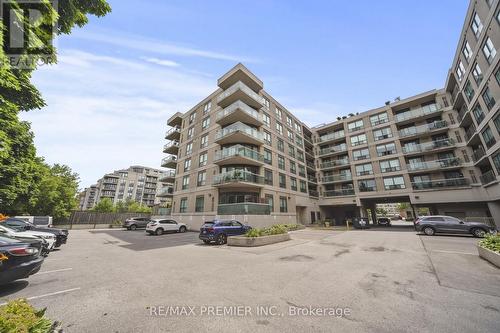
(105, 205)
(381, 211)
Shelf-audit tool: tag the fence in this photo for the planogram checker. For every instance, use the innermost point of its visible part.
(93, 218)
(486, 220)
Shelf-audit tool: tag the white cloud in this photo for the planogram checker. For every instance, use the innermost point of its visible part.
(161, 62)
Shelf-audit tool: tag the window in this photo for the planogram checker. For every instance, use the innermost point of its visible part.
(390, 165)
(303, 187)
(279, 128)
(364, 169)
(185, 182)
(452, 118)
(383, 133)
(496, 121)
(267, 137)
(290, 135)
(367, 185)
(476, 25)
(300, 155)
(387, 149)
(183, 205)
(187, 164)
(360, 154)
(281, 145)
(189, 148)
(291, 150)
(202, 178)
(293, 183)
(266, 119)
(298, 128)
(203, 159)
(293, 167)
(460, 70)
(204, 141)
(302, 170)
(488, 99)
(192, 117)
(358, 140)
(379, 119)
(190, 133)
(394, 183)
(355, 125)
(268, 177)
(467, 51)
(468, 90)
(278, 113)
(473, 176)
(489, 50)
(282, 180)
(266, 102)
(289, 121)
(268, 156)
(477, 74)
(207, 107)
(497, 73)
(281, 162)
(478, 114)
(496, 161)
(205, 123)
(298, 140)
(283, 205)
(488, 137)
(199, 205)
(270, 201)
(458, 136)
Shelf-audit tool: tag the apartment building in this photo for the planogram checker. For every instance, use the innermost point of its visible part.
(240, 154)
(144, 185)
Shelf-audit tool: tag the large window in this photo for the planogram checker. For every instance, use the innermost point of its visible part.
(189, 148)
(267, 137)
(496, 121)
(467, 51)
(185, 182)
(293, 167)
(281, 145)
(367, 185)
(204, 141)
(379, 119)
(278, 113)
(291, 150)
(202, 178)
(382, 133)
(283, 205)
(468, 90)
(205, 123)
(268, 177)
(279, 128)
(496, 161)
(187, 164)
(364, 169)
(488, 98)
(360, 154)
(476, 25)
(478, 113)
(387, 149)
(488, 137)
(203, 159)
(268, 156)
(183, 205)
(199, 204)
(477, 74)
(355, 125)
(394, 183)
(266, 119)
(358, 140)
(293, 183)
(281, 162)
(207, 107)
(390, 165)
(489, 50)
(303, 187)
(270, 201)
(460, 70)
(282, 180)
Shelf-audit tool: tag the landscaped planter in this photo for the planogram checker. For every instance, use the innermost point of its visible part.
(489, 255)
(257, 241)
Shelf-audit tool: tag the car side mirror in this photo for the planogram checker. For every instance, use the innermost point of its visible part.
(462, 222)
(27, 227)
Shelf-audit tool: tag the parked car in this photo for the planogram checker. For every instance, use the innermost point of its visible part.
(19, 258)
(384, 221)
(21, 225)
(39, 221)
(430, 225)
(159, 226)
(136, 223)
(397, 218)
(217, 231)
(49, 238)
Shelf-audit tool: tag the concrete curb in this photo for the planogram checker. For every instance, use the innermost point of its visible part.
(489, 255)
(257, 241)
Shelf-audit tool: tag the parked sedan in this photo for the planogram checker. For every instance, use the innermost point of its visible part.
(47, 236)
(136, 223)
(384, 221)
(160, 226)
(21, 225)
(218, 231)
(19, 258)
(430, 225)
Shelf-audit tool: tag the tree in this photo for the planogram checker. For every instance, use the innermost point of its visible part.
(381, 211)
(403, 206)
(105, 205)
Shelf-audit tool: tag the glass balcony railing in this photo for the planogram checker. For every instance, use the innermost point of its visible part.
(238, 150)
(171, 131)
(168, 160)
(438, 164)
(171, 145)
(334, 149)
(339, 193)
(423, 128)
(313, 193)
(166, 191)
(244, 88)
(428, 146)
(471, 131)
(167, 175)
(334, 163)
(238, 105)
(488, 177)
(244, 208)
(332, 136)
(238, 127)
(440, 183)
(238, 176)
(336, 178)
(478, 154)
(425, 110)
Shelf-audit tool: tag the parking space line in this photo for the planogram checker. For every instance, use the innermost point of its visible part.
(47, 295)
(54, 271)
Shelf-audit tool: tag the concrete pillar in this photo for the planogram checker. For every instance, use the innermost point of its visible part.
(494, 207)
(373, 211)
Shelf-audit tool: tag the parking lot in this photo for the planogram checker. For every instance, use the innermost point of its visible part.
(116, 280)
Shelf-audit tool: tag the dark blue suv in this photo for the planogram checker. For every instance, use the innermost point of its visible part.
(218, 231)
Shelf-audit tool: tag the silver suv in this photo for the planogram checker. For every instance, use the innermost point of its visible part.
(430, 225)
(136, 223)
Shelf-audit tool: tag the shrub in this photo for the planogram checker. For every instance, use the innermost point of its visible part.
(18, 316)
(491, 242)
(276, 229)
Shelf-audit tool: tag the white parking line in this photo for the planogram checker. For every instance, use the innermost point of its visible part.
(46, 295)
(55, 271)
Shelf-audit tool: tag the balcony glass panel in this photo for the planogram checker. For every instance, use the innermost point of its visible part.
(440, 183)
(246, 208)
(425, 110)
(238, 176)
(238, 127)
(235, 106)
(238, 150)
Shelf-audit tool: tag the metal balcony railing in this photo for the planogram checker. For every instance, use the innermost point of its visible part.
(488, 177)
(440, 183)
(238, 176)
(238, 150)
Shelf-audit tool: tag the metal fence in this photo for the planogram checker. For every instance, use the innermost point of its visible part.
(483, 219)
(93, 218)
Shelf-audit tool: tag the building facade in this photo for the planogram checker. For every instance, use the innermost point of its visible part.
(240, 154)
(146, 186)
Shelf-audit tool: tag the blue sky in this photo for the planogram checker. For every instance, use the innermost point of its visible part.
(119, 78)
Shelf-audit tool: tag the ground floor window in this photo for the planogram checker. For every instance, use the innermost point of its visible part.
(270, 202)
(283, 205)
(183, 205)
(199, 204)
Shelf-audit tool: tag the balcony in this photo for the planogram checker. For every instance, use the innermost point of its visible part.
(440, 184)
(166, 191)
(238, 178)
(238, 155)
(173, 134)
(334, 164)
(488, 177)
(415, 114)
(238, 111)
(422, 129)
(313, 193)
(175, 120)
(453, 162)
(471, 131)
(478, 154)
(332, 136)
(240, 91)
(238, 133)
(310, 165)
(167, 177)
(171, 148)
(333, 150)
(240, 73)
(169, 162)
(246, 208)
(429, 146)
(339, 193)
(337, 178)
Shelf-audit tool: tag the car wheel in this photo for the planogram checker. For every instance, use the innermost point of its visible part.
(133, 227)
(159, 231)
(206, 241)
(182, 229)
(221, 239)
(429, 231)
(478, 232)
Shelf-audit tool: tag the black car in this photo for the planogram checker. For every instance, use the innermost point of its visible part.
(22, 225)
(19, 258)
(430, 225)
(384, 221)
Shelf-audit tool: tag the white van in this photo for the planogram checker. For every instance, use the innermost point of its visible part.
(39, 221)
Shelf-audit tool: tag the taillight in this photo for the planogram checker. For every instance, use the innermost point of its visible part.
(210, 229)
(23, 251)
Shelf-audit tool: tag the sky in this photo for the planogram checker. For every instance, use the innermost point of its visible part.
(119, 78)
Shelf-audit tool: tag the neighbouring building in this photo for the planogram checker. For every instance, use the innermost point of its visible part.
(240, 154)
(147, 186)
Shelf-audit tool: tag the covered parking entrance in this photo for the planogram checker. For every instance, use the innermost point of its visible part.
(398, 209)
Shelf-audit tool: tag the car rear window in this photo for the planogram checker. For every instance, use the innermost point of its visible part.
(208, 224)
